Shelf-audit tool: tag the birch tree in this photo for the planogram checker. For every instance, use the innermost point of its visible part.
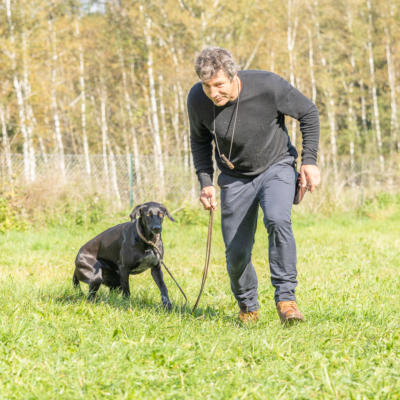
(292, 22)
(19, 94)
(153, 106)
(373, 88)
(82, 97)
(6, 144)
(394, 122)
(53, 94)
(128, 107)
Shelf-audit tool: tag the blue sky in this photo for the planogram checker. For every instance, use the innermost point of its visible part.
(94, 5)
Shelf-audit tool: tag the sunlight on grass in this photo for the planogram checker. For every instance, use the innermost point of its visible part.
(55, 344)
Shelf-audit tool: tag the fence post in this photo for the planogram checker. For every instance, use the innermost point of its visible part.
(130, 181)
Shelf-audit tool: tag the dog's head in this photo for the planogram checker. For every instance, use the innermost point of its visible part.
(151, 217)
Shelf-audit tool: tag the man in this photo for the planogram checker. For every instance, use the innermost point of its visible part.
(243, 112)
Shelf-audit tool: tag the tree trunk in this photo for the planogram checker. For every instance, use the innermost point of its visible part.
(43, 151)
(363, 107)
(162, 115)
(83, 99)
(136, 153)
(332, 126)
(374, 90)
(114, 179)
(186, 151)
(18, 92)
(6, 144)
(291, 40)
(394, 122)
(175, 120)
(104, 136)
(54, 106)
(349, 89)
(30, 118)
(153, 108)
(311, 64)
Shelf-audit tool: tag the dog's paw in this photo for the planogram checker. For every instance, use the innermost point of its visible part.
(167, 305)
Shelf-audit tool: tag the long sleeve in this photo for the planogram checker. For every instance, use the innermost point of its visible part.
(201, 147)
(293, 103)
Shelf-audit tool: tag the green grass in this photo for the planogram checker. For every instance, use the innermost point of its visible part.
(55, 345)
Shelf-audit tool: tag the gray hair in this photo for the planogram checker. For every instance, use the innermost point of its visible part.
(213, 59)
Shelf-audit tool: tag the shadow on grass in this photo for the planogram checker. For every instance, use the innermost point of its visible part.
(142, 299)
(138, 300)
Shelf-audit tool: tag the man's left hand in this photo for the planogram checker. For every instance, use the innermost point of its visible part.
(310, 176)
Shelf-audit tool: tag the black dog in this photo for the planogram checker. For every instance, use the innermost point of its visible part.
(114, 254)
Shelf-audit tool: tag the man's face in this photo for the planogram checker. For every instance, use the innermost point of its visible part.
(220, 89)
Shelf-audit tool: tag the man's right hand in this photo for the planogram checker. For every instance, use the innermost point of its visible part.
(208, 198)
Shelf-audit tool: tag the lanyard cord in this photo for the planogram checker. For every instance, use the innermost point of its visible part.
(222, 156)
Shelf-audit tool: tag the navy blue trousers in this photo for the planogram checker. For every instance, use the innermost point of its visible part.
(241, 198)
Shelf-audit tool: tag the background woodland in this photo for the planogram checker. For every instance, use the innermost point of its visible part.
(111, 79)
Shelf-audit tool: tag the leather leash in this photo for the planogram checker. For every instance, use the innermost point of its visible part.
(207, 260)
(159, 256)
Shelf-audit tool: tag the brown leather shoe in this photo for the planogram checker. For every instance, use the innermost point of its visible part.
(250, 316)
(288, 312)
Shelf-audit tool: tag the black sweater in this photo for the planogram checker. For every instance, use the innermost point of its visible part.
(261, 138)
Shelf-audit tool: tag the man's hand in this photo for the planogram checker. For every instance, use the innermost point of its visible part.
(207, 198)
(310, 177)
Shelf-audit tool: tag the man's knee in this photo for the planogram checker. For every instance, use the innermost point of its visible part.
(276, 222)
(237, 259)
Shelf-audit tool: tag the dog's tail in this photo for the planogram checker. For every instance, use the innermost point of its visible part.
(75, 281)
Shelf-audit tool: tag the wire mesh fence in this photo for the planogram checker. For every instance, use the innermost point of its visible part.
(120, 178)
(125, 180)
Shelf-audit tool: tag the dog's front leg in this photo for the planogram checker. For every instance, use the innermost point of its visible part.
(124, 279)
(157, 275)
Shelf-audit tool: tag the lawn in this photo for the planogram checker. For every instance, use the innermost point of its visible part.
(56, 345)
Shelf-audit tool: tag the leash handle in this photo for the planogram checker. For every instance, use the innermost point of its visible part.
(207, 259)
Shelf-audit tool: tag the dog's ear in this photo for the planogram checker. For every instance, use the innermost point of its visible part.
(135, 212)
(167, 213)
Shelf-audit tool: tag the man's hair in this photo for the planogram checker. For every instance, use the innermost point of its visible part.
(213, 59)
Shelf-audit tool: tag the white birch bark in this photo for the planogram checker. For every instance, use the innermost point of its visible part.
(6, 144)
(83, 99)
(272, 61)
(30, 118)
(291, 40)
(135, 145)
(23, 129)
(349, 88)
(394, 122)
(114, 179)
(53, 95)
(175, 119)
(128, 107)
(351, 122)
(186, 133)
(162, 116)
(177, 113)
(363, 106)
(352, 157)
(332, 126)
(104, 136)
(43, 151)
(374, 90)
(18, 91)
(328, 93)
(312, 68)
(153, 108)
(254, 52)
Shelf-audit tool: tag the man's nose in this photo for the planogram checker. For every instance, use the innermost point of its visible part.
(213, 92)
